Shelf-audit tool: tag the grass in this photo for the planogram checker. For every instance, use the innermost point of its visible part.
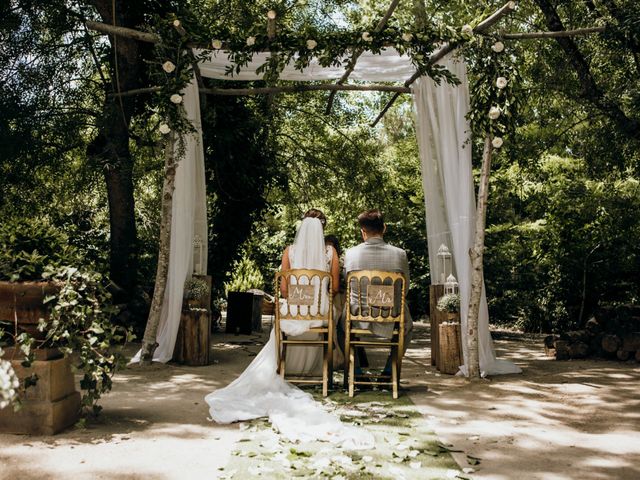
(404, 448)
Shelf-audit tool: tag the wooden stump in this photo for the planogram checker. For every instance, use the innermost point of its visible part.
(578, 350)
(611, 343)
(562, 349)
(450, 355)
(193, 340)
(50, 406)
(631, 342)
(436, 317)
(623, 355)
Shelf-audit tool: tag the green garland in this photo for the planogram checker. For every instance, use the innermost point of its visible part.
(494, 92)
(496, 96)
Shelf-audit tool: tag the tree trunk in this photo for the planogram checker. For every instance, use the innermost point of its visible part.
(110, 149)
(149, 340)
(476, 254)
(420, 14)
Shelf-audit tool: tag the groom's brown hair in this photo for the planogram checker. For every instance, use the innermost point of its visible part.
(371, 221)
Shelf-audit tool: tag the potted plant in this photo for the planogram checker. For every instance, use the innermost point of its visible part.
(195, 289)
(53, 313)
(450, 303)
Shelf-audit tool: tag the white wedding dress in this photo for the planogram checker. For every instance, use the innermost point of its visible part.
(260, 392)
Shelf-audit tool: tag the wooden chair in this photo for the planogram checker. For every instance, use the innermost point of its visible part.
(376, 297)
(304, 292)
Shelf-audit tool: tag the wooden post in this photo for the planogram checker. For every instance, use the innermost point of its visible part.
(476, 253)
(450, 354)
(193, 342)
(149, 340)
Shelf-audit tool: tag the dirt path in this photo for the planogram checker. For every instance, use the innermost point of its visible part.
(558, 420)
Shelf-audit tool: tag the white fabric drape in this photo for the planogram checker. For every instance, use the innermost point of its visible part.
(189, 218)
(388, 66)
(189, 204)
(443, 131)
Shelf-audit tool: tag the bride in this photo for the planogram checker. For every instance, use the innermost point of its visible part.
(260, 392)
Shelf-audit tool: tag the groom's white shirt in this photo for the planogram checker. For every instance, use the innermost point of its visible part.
(376, 254)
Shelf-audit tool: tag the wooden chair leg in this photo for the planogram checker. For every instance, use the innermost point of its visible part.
(330, 358)
(347, 365)
(325, 373)
(352, 370)
(394, 373)
(283, 360)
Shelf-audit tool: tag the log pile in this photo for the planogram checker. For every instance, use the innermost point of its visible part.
(612, 333)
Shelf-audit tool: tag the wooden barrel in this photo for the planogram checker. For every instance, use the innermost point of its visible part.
(23, 301)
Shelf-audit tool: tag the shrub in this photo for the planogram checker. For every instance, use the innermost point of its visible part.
(246, 276)
(29, 245)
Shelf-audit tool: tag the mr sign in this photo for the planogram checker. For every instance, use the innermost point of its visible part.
(380, 295)
(301, 294)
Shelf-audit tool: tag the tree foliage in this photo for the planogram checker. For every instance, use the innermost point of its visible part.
(561, 227)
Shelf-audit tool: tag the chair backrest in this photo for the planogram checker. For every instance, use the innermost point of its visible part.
(306, 294)
(375, 296)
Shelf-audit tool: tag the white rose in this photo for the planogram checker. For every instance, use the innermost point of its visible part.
(366, 36)
(501, 82)
(251, 41)
(176, 98)
(168, 66)
(311, 44)
(176, 23)
(497, 47)
(217, 44)
(494, 113)
(497, 142)
(467, 30)
(407, 37)
(164, 129)
(271, 14)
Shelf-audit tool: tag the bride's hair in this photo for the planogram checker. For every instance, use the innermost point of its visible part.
(315, 213)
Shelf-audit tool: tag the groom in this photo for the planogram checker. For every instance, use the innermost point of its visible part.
(375, 254)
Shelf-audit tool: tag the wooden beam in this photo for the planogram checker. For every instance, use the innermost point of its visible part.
(122, 32)
(135, 91)
(565, 33)
(449, 47)
(306, 88)
(352, 63)
(281, 89)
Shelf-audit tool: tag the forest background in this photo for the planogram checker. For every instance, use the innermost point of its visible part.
(81, 169)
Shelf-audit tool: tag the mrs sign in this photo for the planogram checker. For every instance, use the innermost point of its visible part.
(301, 295)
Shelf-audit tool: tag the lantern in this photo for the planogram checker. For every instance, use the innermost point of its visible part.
(198, 257)
(445, 255)
(451, 285)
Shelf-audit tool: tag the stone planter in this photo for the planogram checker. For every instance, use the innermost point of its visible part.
(53, 403)
(50, 406)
